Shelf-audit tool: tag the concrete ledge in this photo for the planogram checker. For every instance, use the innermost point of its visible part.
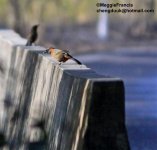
(79, 109)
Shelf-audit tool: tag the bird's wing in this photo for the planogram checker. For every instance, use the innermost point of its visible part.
(58, 54)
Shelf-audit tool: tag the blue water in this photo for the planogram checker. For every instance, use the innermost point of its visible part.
(138, 70)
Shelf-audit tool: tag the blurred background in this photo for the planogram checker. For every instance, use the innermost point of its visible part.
(73, 24)
(115, 44)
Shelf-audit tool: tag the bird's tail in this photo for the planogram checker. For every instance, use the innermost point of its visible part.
(77, 61)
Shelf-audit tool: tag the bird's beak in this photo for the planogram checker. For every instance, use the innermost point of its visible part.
(46, 51)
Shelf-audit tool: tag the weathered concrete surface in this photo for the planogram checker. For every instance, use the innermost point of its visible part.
(75, 108)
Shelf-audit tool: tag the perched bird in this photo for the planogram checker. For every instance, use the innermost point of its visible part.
(61, 55)
(32, 36)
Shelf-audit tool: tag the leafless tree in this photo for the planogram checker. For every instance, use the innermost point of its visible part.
(17, 15)
(19, 11)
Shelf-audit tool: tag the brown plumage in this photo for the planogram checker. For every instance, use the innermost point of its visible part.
(61, 55)
(32, 36)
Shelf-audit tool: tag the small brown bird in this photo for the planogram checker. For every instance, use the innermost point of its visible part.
(32, 36)
(61, 55)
